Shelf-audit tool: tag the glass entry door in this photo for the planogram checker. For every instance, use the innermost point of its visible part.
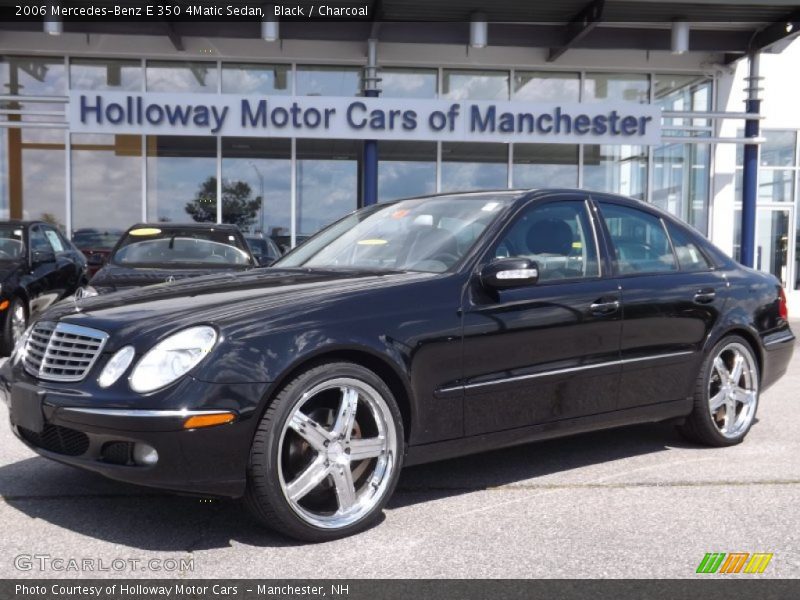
(774, 251)
(772, 242)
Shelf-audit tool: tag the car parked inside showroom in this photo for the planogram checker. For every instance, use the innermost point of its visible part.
(151, 253)
(96, 244)
(404, 333)
(38, 266)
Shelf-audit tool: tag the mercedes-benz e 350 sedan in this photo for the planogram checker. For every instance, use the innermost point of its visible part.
(403, 333)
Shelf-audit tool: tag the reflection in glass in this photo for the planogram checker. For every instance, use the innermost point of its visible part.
(772, 242)
(778, 149)
(615, 169)
(260, 169)
(327, 180)
(406, 169)
(408, 83)
(32, 76)
(181, 179)
(680, 182)
(181, 76)
(545, 165)
(107, 172)
(774, 185)
(328, 81)
(245, 78)
(32, 183)
(683, 93)
(105, 74)
(627, 87)
(544, 86)
(459, 84)
(471, 166)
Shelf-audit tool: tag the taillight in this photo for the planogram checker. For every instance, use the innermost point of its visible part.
(783, 310)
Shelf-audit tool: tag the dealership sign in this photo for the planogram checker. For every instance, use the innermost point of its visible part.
(364, 118)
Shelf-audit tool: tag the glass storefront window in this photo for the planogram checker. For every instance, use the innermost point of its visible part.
(460, 84)
(406, 169)
(327, 182)
(181, 179)
(328, 81)
(181, 76)
(33, 184)
(680, 182)
(778, 149)
(245, 78)
(105, 74)
(774, 185)
(408, 83)
(626, 87)
(33, 76)
(683, 93)
(256, 185)
(107, 171)
(543, 86)
(545, 165)
(615, 169)
(474, 166)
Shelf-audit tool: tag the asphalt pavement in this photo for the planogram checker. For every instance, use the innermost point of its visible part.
(631, 502)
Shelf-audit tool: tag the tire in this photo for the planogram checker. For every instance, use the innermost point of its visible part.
(320, 442)
(719, 388)
(12, 328)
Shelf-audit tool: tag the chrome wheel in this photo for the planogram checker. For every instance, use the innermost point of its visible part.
(733, 390)
(337, 453)
(19, 322)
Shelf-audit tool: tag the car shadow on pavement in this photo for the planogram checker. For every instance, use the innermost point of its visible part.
(138, 517)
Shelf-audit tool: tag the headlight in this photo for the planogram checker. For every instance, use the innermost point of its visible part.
(173, 357)
(19, 347)
(115, 367)
(85, 292)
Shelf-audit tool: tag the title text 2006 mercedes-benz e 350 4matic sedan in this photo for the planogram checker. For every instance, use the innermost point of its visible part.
(403, 333)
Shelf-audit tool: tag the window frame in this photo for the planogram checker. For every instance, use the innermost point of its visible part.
(487, 257)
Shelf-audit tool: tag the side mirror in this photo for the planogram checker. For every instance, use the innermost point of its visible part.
(508, 273)
(40, 257)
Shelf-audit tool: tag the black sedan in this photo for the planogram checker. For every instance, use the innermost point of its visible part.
(150, 253)
(38, 266)
(404, 333)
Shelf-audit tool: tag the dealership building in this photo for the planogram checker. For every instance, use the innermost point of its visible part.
(283, 127)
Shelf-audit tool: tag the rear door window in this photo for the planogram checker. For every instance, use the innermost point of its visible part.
(640, 242)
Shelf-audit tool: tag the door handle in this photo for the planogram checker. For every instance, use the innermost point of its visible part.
(705, 296)
(604, 307)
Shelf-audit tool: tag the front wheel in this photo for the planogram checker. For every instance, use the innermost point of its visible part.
(327, 454)
(726, 395)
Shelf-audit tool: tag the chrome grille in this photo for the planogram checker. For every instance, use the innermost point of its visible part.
(61, 351)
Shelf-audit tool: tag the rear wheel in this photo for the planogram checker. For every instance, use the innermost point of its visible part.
(15, 324)
(327, 454)
(726, 395)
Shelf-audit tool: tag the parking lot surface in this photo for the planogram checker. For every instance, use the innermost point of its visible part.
(632, 502)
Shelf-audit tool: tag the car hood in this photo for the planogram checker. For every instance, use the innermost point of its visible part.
(223, 299)
(113, 278)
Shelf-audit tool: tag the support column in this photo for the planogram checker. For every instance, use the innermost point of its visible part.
(369, 183)
(750, 166)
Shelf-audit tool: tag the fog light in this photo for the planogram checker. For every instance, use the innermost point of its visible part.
(144, 454)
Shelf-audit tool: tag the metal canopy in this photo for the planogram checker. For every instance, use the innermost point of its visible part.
(733, 27)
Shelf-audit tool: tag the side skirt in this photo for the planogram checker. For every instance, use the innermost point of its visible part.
(662, 411)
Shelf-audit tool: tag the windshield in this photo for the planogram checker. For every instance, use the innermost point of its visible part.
(187, 247)
(262, 247)
(424, 234)
(95, 238)
(11, 245)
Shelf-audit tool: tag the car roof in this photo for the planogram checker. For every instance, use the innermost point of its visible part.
(193, 225)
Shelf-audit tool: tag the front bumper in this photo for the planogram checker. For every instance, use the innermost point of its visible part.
(100, 437)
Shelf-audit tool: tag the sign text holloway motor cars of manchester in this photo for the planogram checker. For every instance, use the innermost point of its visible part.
(375, 118)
